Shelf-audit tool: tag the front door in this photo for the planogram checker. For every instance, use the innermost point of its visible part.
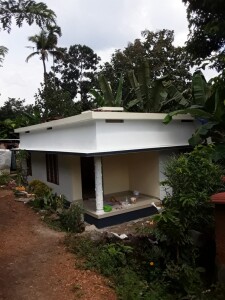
(88, 177)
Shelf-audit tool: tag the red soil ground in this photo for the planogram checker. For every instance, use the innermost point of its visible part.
(34, 263)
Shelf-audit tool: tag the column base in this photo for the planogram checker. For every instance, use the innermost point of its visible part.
(99, 212)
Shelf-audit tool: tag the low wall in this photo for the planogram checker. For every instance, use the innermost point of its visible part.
(5, 161)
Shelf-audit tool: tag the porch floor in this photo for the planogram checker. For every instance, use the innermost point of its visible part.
(119, 205)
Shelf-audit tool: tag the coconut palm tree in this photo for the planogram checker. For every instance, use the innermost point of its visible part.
(45, 44)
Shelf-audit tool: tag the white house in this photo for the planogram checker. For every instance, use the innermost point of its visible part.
(102, 157)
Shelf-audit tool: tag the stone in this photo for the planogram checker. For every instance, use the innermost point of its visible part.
(90, 228)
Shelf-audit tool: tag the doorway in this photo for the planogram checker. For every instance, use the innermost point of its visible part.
(87, 177)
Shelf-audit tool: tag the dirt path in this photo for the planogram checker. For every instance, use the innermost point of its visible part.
(34, 264)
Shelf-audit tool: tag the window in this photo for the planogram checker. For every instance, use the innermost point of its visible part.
(52, 168)
(29, 164)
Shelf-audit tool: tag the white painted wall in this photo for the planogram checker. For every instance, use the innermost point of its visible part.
(69, 139)
(69, 174)
(141, 134)
(129, 172)
(144, 173)
(93, 136)
(115, 171)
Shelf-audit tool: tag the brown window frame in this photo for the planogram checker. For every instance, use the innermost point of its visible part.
(52, 168)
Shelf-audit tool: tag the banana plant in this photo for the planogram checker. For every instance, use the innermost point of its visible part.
(153, 95)
(106, 97)
(208, 108)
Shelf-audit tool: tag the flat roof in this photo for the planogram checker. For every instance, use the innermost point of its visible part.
(107, 153)
(100, 115)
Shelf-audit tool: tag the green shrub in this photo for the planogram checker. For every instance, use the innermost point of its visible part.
(39, 188)
(4, 179)
(82, 246)
(110, 258)
(129, 286)
(72, 218)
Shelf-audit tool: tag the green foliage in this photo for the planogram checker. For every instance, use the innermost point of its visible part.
(25, 10)
(193, 177)
(54, 103)
(107, 98)
(4, 178)
(194, 172)
(110, 258)
(206, 26)
(163, 58)
(208, 107)
(182, 278)
(15, 114)
(82, 246)
(76, 73)
(72, 219)
(39, 188)
(153, 95)
(129, 286)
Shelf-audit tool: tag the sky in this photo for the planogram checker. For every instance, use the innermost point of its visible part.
(103, 25)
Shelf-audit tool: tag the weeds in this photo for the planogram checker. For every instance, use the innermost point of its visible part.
(4, 179)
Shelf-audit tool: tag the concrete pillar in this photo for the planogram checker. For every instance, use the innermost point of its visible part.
(98, 186)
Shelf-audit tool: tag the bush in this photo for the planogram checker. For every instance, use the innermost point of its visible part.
(4, 179)
(72, 218)
(39, 188)
(193, 177)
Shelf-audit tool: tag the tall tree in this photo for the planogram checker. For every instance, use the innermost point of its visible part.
(76, 74)
(46, 43)
(54, 103)
(24, 10)
(207, 29)
(163, 57)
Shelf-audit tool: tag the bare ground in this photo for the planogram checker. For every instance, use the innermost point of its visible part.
(34, 263)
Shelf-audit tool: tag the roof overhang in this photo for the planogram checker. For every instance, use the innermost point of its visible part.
(89, 116)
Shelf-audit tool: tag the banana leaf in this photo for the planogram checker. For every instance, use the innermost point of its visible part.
(99, 99)
(200, 89)
(201, 132)
(119, 93)
(135, 86)
(106, 90)
(174, 94)
(193, 111)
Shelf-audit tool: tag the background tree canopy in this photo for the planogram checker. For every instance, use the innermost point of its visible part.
(207, 29)
(76, 73)
(163, 58)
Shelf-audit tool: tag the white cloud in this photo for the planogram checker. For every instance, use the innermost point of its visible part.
(100, 24)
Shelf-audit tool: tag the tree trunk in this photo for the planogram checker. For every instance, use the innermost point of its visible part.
(45, 72)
